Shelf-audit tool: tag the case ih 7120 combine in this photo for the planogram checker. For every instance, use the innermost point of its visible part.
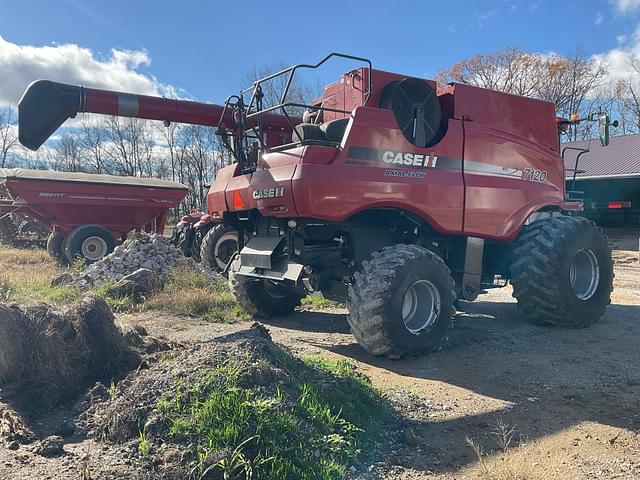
(390, 194)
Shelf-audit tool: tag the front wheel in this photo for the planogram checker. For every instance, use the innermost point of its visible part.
(563, 271)
(401, 301)
(264, 298)
(219, 245)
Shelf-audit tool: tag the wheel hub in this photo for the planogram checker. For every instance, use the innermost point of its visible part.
(420, 306)
(584, 274)
(226, 246)
(94, 248)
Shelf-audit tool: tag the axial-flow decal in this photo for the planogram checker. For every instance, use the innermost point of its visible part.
(372, 157)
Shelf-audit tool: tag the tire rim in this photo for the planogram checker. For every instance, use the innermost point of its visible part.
(584, 274)
(420, 306)
(94, 248)
(225, 247)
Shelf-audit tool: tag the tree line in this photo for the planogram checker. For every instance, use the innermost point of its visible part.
(576, 84)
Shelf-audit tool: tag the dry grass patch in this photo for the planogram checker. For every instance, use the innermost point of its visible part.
(510, 459)
(25, 276)
(194, 294)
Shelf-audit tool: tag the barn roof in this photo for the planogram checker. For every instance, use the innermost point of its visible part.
(620, 159)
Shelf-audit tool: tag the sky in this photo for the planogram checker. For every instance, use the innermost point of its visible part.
(204, 49)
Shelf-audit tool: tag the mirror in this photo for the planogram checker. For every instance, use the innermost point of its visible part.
(604, 124)
(603, 121)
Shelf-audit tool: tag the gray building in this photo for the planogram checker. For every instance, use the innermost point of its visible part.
(608, 179)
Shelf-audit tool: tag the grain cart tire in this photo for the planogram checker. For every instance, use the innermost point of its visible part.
(55, 248)
(90, 242)
(8, 231)
(263, 298)
(401, 302)
(563, 272)
(218, 246)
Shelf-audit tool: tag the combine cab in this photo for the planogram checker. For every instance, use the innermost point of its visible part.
(387, 193)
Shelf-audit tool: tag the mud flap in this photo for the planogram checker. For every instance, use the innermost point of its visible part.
(261, 258)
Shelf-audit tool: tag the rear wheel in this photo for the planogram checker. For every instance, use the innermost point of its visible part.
(8, 231)
(90, 242)
(264, 298)
(401, 302)
(218, 247)
(55, 248)
(563, 272)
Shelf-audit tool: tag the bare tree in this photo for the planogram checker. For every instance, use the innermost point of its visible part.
(129, 146)
(8, 134)
(570, 82)
(92, 141)
(68, 153)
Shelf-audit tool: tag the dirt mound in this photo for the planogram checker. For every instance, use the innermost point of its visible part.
(48, 356)
(238, 398)
(131, 408)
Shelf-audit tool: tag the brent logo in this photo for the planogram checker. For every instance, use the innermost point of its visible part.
(409, 159)
(273, 192)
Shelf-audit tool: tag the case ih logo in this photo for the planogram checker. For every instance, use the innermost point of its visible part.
(274, 192)
(372, 157)
(409, 159)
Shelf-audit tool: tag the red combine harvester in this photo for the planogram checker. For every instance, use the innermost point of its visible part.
(390, 194)
(87, 213)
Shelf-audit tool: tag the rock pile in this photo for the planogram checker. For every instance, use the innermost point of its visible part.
(151, 252)
(139, 265)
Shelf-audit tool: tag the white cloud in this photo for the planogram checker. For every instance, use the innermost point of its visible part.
(598, 19)
(626, 6)
(618, 60)
(70, 63)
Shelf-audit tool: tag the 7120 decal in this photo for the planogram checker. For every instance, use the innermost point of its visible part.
(534, 175)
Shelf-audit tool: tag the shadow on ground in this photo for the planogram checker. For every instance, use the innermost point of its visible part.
(541, 379)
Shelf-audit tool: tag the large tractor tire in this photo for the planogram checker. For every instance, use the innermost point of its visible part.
(90, 243)
(401, 302)
(55, 248)
(562, 273)
(219, 245)
(264, 298)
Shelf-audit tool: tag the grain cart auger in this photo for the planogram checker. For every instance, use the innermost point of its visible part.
(390, 194)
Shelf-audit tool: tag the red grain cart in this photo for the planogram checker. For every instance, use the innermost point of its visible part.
(87, 213)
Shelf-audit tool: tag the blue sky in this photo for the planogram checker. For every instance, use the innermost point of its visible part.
(205, 48)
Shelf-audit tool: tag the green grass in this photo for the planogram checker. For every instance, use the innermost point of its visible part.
(316, 302)
(314, 427)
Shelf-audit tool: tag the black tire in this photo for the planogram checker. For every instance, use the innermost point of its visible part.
(218, 247)
(97, 235)
(55, 248)
(377, 295)
(184, 240)
(553, 274)
(263, 298)
(8, 231)
(196, 244)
